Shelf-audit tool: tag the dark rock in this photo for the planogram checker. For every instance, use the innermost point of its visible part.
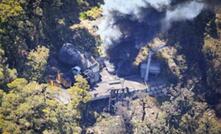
(71, 56)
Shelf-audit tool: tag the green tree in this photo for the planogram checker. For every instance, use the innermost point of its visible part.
(9, 8)
(209, 124)
(6, 74)
(37, 61)
(81, 82)
(186, 115)
(36, 108)
(20, 29)
(212, 52)
(212, 49)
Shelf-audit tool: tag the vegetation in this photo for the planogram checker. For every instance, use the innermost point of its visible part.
(35, 108)
(27, 106)
(212, 49)
(36, 64)
(82, 2)
(93, 13)
(9, 8)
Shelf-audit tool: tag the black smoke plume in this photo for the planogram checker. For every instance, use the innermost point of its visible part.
(140, 20)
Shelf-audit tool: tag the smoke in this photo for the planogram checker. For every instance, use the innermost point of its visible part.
(123, 19)
(132, 7)
(186, 11)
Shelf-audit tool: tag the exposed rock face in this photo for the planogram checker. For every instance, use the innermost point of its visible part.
(71, 56)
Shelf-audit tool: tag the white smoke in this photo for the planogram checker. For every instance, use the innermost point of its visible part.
(186, 11)
(132, 7)
(110, 31)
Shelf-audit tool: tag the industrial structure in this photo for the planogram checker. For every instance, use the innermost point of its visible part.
(150, 68)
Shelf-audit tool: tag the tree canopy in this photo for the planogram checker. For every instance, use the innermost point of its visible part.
(36, 108)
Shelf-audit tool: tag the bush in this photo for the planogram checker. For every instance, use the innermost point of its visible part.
(83, 16)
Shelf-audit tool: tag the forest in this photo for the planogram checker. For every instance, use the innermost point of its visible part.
(56, 57)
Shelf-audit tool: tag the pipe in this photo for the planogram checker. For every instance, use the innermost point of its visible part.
(148, 66)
